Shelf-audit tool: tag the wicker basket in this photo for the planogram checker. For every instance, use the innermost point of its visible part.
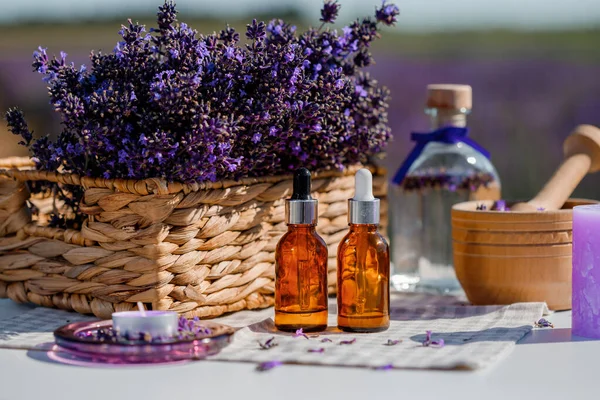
(200, 249)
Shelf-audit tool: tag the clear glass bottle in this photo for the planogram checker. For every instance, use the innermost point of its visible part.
(301, 264)
(363, 258)
(420, 207)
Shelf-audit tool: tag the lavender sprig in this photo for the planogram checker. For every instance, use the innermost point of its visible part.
(429, 342)
(300, 333)
(329, 11)
(543, 323)
(387, 13)
(18, 126)
(326, 340)
(268, 344)
(351, 341)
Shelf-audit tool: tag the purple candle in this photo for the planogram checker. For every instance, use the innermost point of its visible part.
(586, 271)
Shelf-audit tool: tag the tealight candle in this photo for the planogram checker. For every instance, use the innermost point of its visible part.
(155, 323)
(586, 271)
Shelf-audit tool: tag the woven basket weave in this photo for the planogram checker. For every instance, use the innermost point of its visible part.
(199, 249)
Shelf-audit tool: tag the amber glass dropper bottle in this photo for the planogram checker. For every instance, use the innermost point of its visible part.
(301, 264)
(363, 295)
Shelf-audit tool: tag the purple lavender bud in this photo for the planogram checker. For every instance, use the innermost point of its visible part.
(387, 13)
(319, 350)
(256, 30)
(17, 125)
(329, 11)
(265, 366)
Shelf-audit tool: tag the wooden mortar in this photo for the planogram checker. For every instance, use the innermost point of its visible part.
(525, 255)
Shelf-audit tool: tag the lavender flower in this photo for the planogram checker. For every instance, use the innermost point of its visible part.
(256, 30)
(500, 205)
(428, 342)
(171, 103)
(351, 341)
(191, 328)
(543, 323)
(329, 11)
(441, 179)
(300, 333)
(384, 367)
(387, 13)
(17, 125)
(270, 343)
(481, 207)
(265, 366)
(319, 350)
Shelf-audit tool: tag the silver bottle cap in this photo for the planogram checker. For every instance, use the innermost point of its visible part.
(363, 208)
(301, 208)
(301, 212)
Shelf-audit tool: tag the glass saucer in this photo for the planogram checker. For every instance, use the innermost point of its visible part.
(79, 339)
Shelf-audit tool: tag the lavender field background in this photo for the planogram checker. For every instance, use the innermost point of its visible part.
(530, 88)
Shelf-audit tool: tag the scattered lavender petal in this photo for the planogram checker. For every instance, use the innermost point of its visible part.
(270, 343)
(348, 341)
(543, 323)
(500, 205)
(391, 342)
(319, 350)
(326, 340)
(265, 366)
(384, 367)
(429, 342)
(299, 333)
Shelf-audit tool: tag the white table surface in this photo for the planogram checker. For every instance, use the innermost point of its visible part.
(547, 364)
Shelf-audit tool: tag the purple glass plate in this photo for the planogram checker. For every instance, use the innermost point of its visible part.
(76, 339)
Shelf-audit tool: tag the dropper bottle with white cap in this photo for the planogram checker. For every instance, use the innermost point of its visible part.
(363, 295)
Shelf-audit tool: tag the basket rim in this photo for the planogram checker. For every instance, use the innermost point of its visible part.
(9, 167)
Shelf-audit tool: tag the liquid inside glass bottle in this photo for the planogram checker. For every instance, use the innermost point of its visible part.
(420, 207)
(301, 264)
(363, 265)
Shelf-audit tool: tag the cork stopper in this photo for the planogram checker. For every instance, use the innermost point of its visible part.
(448, 96)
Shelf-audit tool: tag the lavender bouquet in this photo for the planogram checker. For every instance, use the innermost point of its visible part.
(178, 105)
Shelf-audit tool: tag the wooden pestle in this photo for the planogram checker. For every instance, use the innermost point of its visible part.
(581, 156)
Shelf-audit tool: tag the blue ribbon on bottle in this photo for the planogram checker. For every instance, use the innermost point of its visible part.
(448, 135)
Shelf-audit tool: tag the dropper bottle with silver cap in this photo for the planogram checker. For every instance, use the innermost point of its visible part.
(363, 295)
(301, 264)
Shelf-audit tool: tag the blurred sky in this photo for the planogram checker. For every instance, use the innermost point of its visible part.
(417, 15)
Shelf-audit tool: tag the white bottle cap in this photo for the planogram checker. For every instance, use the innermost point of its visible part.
(363, 185)
(363, 208)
